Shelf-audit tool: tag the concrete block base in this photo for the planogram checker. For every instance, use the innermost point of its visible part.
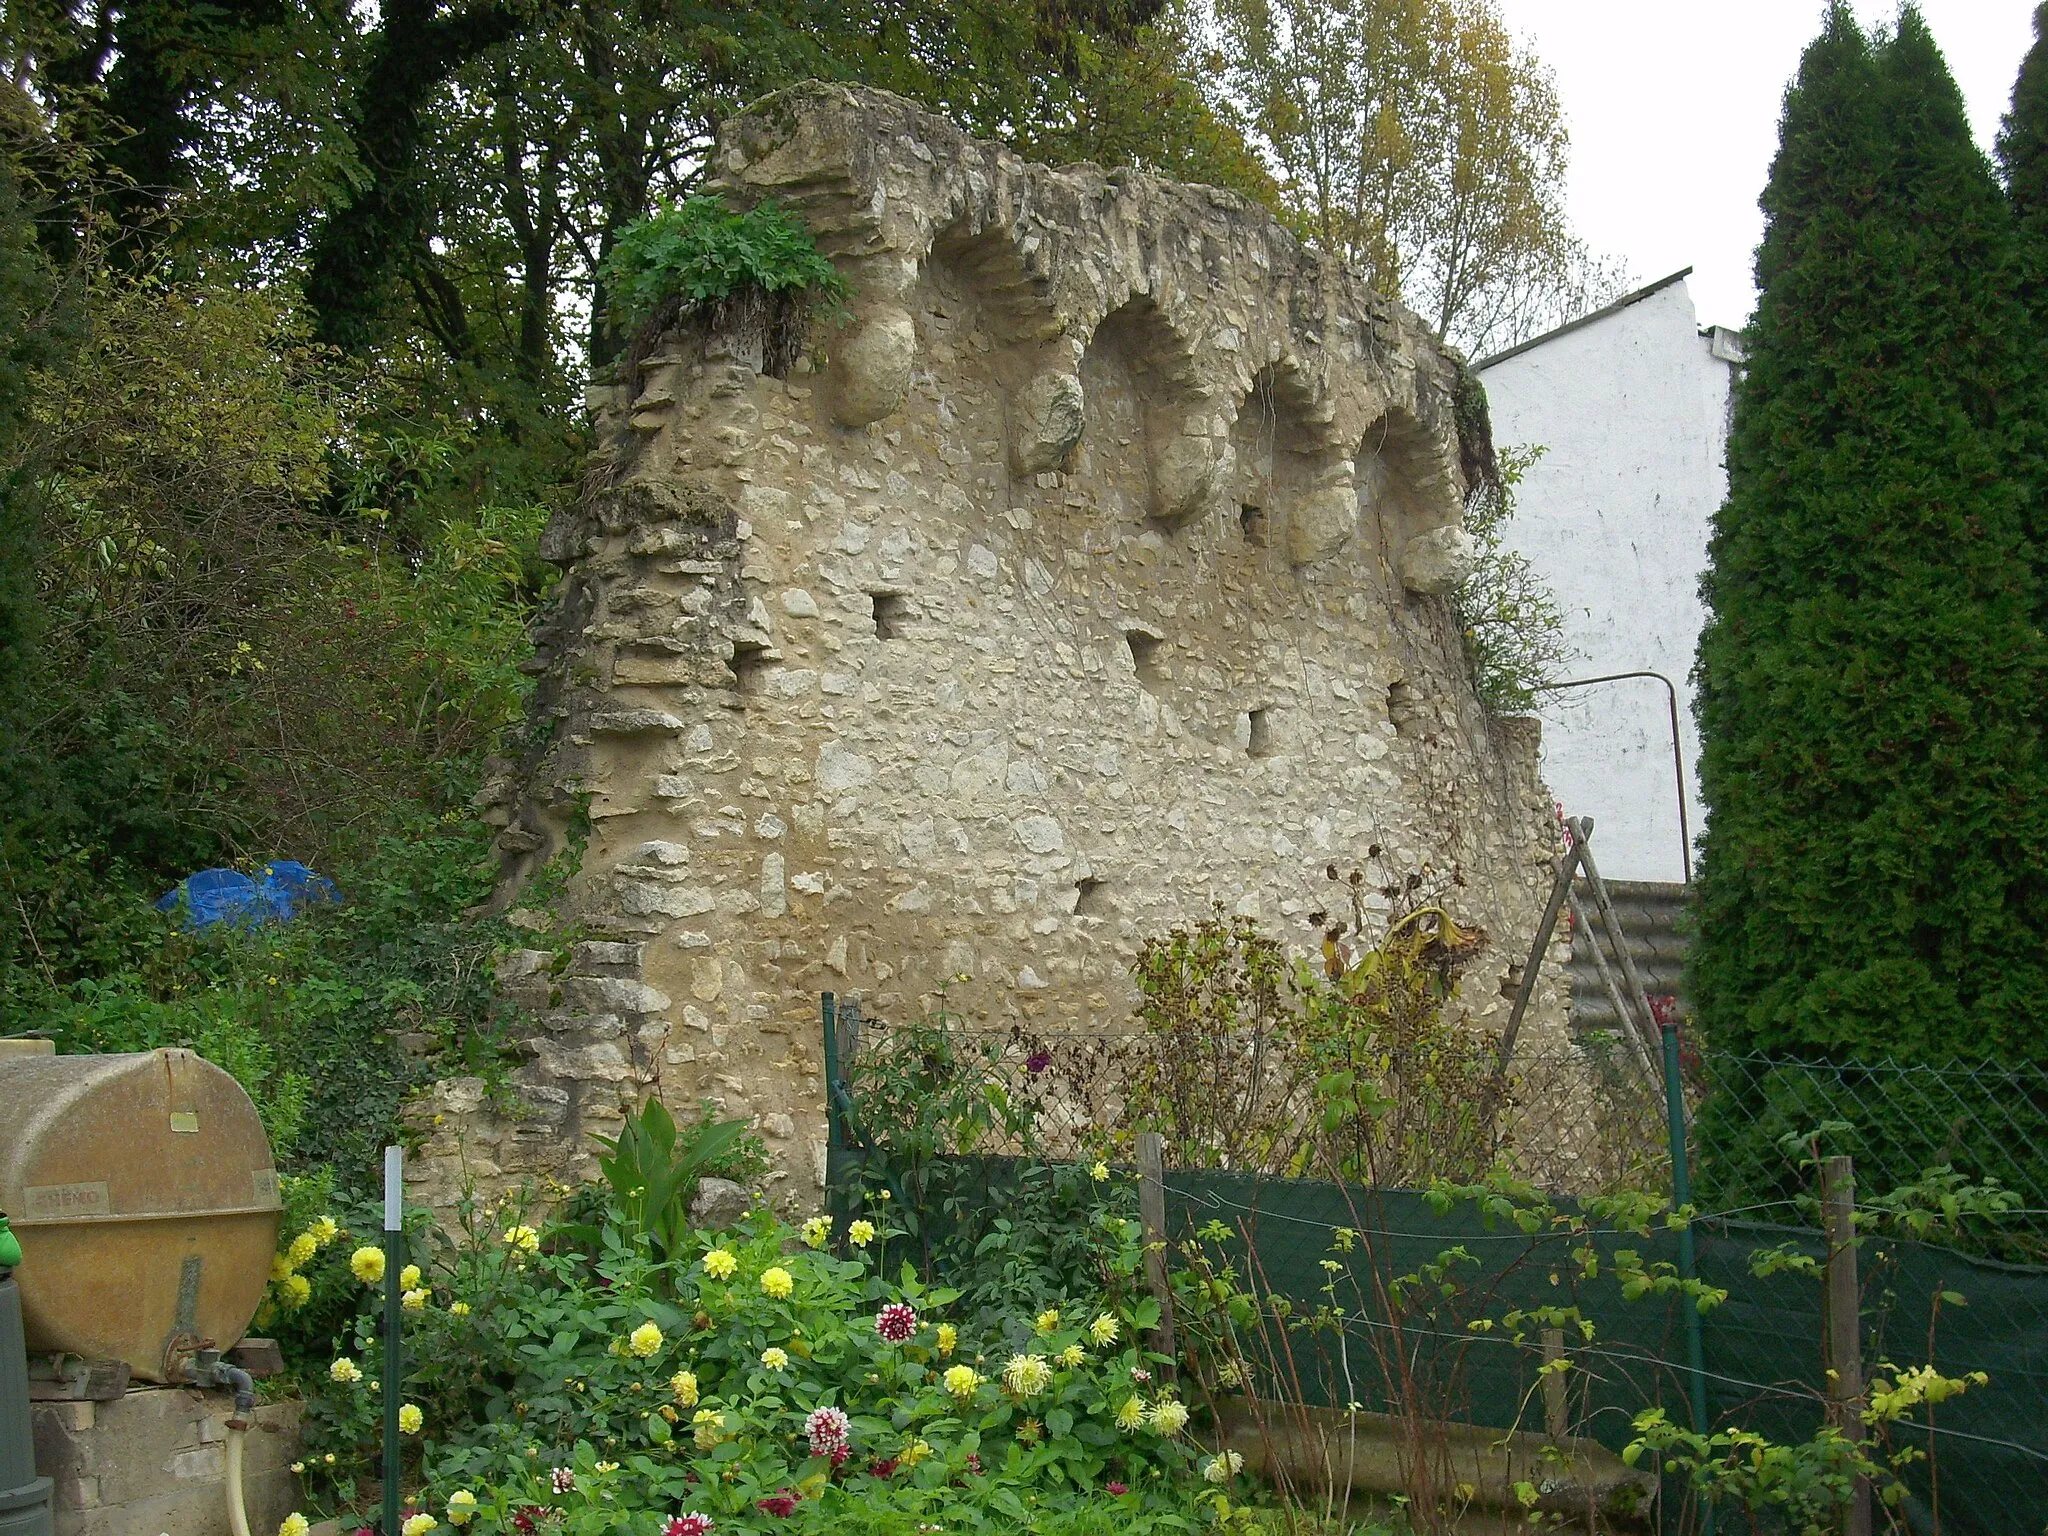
(153, 1462)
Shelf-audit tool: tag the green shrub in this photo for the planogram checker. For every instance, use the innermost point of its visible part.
(701, 251)
(1507, 615)
(309, 1015)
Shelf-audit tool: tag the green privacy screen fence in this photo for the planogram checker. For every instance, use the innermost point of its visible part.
(1951, 1276)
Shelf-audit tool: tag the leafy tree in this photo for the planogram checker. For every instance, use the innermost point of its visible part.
(1414, 138)
(25, 343)
(1873, 879)
(382, 229)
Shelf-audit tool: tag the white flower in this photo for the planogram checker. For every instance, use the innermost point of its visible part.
(1223, 1466)
(1169, 1417)
(1027, 1375)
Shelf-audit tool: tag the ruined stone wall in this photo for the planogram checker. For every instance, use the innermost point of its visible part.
(1097, 577)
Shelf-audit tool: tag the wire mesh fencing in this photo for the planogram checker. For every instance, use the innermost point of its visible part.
(1575, 1122)
(1374, 1291)
(1962, 1145)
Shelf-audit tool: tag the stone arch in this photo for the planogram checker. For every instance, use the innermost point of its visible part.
(1289, 485)
(988, 265)
(1407, 499)
(984, 307)
(1144, 443)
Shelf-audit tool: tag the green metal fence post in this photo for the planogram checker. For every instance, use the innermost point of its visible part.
(1688, 1267)
(831, 1022)
(394, 1365)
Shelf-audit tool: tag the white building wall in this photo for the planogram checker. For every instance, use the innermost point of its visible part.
(1632, 410)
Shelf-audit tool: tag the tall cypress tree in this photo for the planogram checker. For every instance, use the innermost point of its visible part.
(1871, 675)
(2023, 138)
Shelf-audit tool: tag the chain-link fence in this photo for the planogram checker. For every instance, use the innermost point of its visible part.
(1581, 1121)
(1951, 1169)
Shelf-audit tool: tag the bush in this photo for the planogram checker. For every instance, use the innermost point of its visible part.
(1512, 628)
(314, 1018)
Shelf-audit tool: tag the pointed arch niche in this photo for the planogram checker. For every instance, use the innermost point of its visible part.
(987, 324)
(1137, 379)
(1404, 486)
(1287, 491)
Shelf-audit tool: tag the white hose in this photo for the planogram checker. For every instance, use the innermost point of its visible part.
(238, 1514)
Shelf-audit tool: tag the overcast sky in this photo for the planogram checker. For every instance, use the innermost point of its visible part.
(1673, 111)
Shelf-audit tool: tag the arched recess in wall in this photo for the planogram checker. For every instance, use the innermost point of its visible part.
(1405, 486)
(1137, 377)
(986, 323)
(1287, 491)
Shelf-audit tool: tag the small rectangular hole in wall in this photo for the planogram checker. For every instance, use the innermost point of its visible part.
(750, 665)
(1091, 898)
(1404, 708)
(1148, 656)
(1259, 733)
(1252, 522)
(892, 612)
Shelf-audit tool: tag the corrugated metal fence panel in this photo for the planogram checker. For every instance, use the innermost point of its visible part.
(1652, 916)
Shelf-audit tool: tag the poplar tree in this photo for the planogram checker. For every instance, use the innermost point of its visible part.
(1871, 675)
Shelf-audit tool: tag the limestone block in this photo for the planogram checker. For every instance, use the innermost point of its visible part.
(1321, 524)
(153, 1461)
(870, 372)
(1047, 423)
(719, 1204)
(602, 1062)
(633, 722)
(1435, 562)
(1189, 477)
(613, 993)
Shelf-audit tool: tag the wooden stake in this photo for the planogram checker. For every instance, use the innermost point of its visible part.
(1560, 892)
(1648, 1029)
(1555, 1423)
(1152, 1215)
(1844, 1322)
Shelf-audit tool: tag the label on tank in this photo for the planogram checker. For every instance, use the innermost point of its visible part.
(50, 1201)
(184, 1120)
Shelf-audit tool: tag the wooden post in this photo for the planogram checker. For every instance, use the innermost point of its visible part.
(1556, 1424)
(1844, 1321)
(1152, 1215)
(1560, 892)
(1637, 993)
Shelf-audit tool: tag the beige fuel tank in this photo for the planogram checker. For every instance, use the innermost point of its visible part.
(143, 1192)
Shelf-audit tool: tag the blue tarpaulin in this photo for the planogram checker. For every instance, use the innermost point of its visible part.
(280, 893)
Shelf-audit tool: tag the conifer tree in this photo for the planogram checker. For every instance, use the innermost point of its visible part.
(2023, 137)
(1871, 674)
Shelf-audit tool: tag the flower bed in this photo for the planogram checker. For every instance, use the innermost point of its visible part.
(768, 1379)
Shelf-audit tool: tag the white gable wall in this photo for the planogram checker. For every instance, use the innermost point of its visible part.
(1632, 409)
